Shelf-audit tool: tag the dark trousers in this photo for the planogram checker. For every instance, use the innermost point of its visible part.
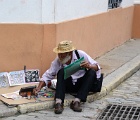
(82, 87)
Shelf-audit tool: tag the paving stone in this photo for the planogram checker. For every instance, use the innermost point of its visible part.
(134, 99)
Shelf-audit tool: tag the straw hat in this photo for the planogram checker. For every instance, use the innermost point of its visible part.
(64, 46)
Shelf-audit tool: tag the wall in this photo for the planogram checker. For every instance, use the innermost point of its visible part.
(136, 1)
(49, 42)
(98, 34)
(51, 11)
(127, 3)
(136, 21)
(66, 10)
(27, 11)
(26, 44)
(31, 29)
(73, 9)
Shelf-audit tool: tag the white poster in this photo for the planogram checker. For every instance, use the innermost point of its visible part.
(4, 82)
(16, 78)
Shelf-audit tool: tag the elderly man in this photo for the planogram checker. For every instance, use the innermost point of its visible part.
(81, 82)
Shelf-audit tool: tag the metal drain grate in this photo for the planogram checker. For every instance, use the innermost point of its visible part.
(120, 112)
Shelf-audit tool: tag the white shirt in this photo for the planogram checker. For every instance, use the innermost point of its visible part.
(56, 66)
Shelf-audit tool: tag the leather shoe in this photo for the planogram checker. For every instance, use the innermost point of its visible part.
(75, 106)
(58, 108)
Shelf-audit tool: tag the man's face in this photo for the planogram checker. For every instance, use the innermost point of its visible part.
(64, 57)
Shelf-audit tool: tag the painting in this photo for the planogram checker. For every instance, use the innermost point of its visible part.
(4, 82)
(32, 75)
(16, 78)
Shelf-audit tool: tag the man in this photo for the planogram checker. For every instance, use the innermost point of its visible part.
(81, 82)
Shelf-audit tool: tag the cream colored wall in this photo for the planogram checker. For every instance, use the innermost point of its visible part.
(32, 44)
(51, 11)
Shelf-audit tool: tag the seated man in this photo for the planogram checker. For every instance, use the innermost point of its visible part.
(81, 82)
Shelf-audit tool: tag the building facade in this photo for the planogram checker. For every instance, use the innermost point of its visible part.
(30, 29)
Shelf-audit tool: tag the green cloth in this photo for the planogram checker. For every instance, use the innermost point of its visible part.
(72, 68)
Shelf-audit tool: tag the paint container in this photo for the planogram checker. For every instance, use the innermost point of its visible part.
(28, 95)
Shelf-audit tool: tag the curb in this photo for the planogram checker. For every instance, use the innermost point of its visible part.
(121, 74)
(8, 112)
(110, 82)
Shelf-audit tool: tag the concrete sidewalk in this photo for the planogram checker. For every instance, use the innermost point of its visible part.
(117, 65)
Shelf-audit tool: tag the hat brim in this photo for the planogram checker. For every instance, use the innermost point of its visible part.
(60, 51)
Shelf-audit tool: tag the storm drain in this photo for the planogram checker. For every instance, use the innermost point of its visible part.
(120, 112)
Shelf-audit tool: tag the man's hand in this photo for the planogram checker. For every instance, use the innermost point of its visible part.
(40, 86)
(36, 90)
(85, 64)
(88, 65)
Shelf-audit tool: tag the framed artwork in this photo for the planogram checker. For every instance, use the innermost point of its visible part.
(4, 82)
(32, 75)
(16, 78)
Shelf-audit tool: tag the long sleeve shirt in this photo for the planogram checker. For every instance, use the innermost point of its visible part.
(56, 65)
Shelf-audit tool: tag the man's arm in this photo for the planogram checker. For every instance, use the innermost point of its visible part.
(89, 62)
(93, 66)
(88, 65)
(48, 76)
(39, 87)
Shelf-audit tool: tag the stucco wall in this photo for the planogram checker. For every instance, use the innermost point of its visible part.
(32, 44)
(136, 1)
(26, 44)
(127, 3)
(27, 11)
(98, 34)
(49, 42)
(51, 11)
(72, 9)
(91, 29)
(136, 22)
